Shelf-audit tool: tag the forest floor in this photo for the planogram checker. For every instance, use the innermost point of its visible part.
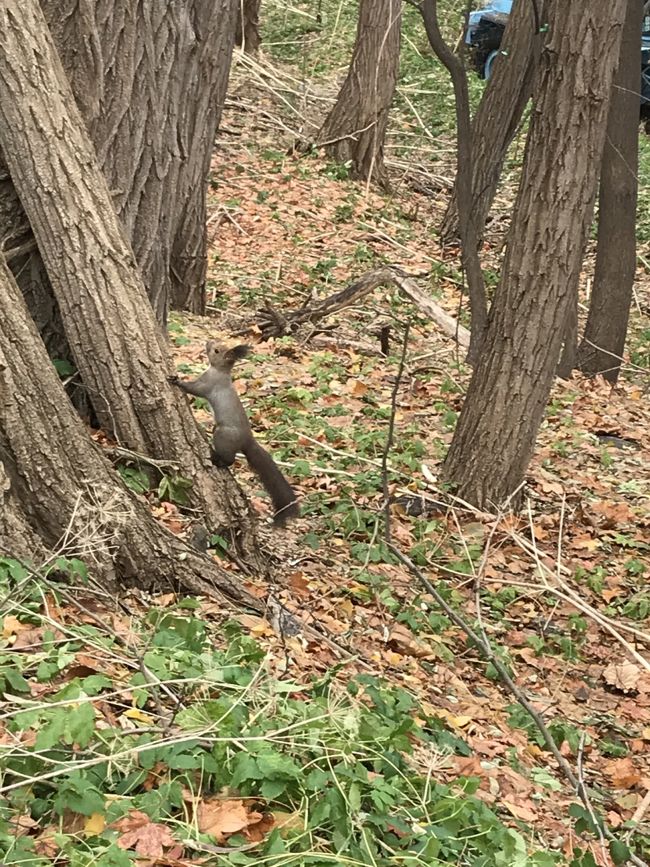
(562, 589)
(297, 736)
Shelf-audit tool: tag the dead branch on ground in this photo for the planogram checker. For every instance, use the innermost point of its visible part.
(273, 323)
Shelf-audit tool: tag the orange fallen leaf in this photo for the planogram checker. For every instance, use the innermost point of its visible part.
(403, 641)
(519, 811)
(614, 819)
(222, 818)
(622, 773)
(147, 838)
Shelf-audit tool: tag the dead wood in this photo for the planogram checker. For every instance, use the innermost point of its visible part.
(273, 323)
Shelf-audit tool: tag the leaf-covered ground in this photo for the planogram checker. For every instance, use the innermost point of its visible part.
(166, 731)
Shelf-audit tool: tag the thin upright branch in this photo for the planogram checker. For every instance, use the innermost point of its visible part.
(485, 649)
(468, 233)
(391, 431)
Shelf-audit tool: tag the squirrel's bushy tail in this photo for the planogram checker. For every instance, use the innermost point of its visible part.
(278, 488)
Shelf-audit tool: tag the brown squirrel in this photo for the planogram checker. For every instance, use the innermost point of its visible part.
(232, 431)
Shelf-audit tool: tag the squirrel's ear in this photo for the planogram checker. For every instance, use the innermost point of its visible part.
(238, 352)
(210, 346)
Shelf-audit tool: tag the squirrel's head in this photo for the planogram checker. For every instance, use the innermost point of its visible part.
(222, 357)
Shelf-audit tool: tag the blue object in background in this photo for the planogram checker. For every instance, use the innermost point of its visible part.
(485, 29)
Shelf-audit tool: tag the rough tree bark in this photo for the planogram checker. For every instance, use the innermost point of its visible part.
(499, 113)
(116, 342)
(150, 80)
(248, 26)
(64, 486)
(603, 342)
(497, 428)
(355, 129)
(17, 538)
(464, 161)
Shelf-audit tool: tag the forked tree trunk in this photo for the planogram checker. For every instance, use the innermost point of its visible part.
(355, 129)
(63, 485)
(248, 26)
(602, 346)
(117, 345)
(499, 113)
(497, 428)
(464, 161)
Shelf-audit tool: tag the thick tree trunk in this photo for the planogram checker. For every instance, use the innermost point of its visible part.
(355, 129)
(61, 487)
(497, 428)
(117, 345)
(17, 538)
(499, 114)
(602, 346)
(248, 26)
(150, 81)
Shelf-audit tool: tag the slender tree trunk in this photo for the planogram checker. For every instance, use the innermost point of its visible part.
(603, 343)
(497, 428)
(248, 26)
(464, 161)
(355, 129)
(63, 485)
(117, 345)
(499, 114)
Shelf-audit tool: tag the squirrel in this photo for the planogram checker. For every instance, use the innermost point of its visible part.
(232, 431)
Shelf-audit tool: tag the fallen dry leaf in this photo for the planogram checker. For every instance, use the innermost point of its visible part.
(622, 773)
(614, 819)
(140, 833)
(519, 811)
(222, 818)
(403, 641)
(622, 675)
(285, 822)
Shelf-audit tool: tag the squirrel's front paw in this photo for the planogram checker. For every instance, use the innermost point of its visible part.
(174, 380)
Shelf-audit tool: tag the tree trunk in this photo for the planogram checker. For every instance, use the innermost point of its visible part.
(248, 26)
(602, 346)
(355, 129)
(150, 80)
(117, 345)
(499, 114)
(497, 428)
(17, 538)
(464, 161)
(570, 345)
(64, 487)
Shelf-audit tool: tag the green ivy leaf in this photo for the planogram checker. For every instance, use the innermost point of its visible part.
(619, 851)
(77, 794)
(272, 789)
